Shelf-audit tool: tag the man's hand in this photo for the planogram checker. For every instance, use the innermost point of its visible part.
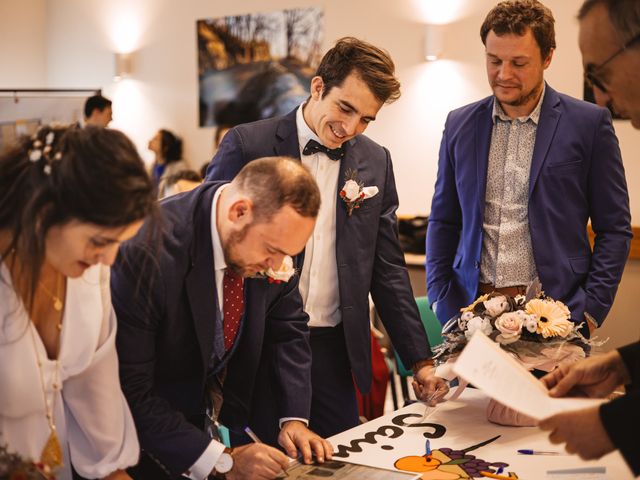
(257, 461)
(295, 436)
(581, 430)
(594, 377)
(428, 387)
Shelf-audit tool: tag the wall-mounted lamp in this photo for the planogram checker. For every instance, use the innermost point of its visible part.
(433, 42)
(123, 65)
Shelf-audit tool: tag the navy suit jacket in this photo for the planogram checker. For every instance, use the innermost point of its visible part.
(576, 175)
(165, 298)
(368, 253)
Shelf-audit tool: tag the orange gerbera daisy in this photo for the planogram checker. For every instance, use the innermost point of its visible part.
(553, 317)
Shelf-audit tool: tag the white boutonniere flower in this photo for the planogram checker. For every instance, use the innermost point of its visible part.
(353, 193)
(282, 274)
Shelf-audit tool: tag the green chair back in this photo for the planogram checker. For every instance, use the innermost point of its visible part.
(431, 326)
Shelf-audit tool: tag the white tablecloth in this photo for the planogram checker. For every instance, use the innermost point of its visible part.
(459, 425)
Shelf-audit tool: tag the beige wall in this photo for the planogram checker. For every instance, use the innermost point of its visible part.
(623, 323)
(70, 43)
(22, 44)
(82, 35)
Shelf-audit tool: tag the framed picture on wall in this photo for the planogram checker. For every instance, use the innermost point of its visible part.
(257, 65)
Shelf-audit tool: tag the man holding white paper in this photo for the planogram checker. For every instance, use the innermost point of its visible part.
(610, 45)
(489, 368)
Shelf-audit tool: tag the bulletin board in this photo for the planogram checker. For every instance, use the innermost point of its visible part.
(22, 111)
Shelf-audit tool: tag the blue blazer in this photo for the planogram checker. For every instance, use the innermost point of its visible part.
(368, 253)
(576, 176)
(165, 298)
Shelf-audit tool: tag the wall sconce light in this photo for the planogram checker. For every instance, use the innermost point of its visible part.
(123, 65)
(433, 42)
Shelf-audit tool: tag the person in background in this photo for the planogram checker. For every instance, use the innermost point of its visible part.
(183, 181)
(68, 198)
(507, 163)
(98, 111)
(610, 45)
(167, 148)
(354, 249)
(190, 340)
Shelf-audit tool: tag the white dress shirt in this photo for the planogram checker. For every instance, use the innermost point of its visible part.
(201, 469)
(319, 276)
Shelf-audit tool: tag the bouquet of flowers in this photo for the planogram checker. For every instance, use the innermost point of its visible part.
(14, 467)
(536, 329)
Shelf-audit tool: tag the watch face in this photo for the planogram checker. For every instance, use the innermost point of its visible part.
(224, 463)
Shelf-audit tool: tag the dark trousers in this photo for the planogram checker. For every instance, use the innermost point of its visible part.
(334, 407)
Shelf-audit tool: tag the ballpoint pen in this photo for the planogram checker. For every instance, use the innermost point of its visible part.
(496, 476)
(428, 408)
(537, 452)
(255, 439)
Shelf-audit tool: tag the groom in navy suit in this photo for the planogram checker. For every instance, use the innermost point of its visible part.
(520, 175)
(354, 249)
(193, 321)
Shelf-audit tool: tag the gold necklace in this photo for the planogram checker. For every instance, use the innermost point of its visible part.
(57, 300)
(52, 452)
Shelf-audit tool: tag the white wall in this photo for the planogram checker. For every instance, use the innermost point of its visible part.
(22, 44)
(81, 36)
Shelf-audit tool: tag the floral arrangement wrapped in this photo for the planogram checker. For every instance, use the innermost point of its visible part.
(536, 329)
(14, 467)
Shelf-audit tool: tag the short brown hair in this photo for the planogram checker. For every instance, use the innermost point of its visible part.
(273, 182)
(372, 64)
(516, 17)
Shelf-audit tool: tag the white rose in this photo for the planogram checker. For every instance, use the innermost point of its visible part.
(351, 190)
(496, 305)
(478, 323)
(284, 273)
(510, 326)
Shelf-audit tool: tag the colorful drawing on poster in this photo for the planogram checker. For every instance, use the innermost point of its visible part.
(449, 464)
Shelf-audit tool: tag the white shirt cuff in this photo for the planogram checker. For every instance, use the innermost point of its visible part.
(201, 469)
(288, 419)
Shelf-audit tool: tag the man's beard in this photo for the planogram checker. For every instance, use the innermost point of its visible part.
(523, 99)
(235, 238)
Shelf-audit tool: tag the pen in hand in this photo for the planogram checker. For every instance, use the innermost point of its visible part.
(255, 439)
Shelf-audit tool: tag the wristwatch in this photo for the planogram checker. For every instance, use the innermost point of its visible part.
(223, 465)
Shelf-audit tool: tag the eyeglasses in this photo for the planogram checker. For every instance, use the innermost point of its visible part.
(591, 75)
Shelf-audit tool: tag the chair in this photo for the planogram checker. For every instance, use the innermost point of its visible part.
(434, 332)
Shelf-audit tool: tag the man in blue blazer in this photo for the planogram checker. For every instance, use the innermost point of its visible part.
(520, 175)
(354, 250)
(193, 321)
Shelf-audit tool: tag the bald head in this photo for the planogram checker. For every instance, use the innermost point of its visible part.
(274, 182)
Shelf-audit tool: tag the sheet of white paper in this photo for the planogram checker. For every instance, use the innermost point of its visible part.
(486, 366)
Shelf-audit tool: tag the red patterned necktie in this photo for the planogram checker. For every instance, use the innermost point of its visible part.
(233, 306)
